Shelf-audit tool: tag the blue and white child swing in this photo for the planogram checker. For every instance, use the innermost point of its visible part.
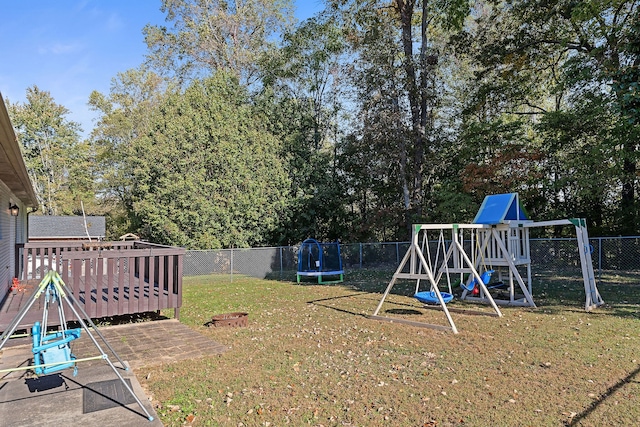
(52, 350)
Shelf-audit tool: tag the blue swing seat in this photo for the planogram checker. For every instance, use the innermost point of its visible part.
(54, 351)
(486, 277)
(430, 297)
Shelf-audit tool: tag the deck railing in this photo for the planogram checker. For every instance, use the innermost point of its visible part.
(109, 278)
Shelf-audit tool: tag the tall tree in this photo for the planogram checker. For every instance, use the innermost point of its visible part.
(401, 48)
(210, 35)
(125, 114)
(552, 63)
(626, 87)
(207, 173)
(58, 163)
(301, 92)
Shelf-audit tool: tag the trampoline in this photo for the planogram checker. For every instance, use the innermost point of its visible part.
(320, 261)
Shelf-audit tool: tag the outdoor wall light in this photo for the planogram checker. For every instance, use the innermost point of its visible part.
(14, 209)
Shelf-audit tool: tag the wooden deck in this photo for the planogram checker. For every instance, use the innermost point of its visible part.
(131, 298)
(15, 301)
(114, 280)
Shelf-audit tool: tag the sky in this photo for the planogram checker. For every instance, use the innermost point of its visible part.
(72, 47)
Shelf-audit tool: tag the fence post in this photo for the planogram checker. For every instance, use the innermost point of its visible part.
(360, 256)
(397, 253)
(281, 272)
(600, 259)
(231, 265)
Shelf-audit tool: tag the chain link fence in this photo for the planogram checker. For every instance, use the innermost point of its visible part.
(609, 254)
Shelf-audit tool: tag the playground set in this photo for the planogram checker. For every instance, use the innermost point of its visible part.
(321, 261)
(496, 244)
(52, 350)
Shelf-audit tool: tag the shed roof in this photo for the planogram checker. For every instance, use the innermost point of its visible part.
(52, 226)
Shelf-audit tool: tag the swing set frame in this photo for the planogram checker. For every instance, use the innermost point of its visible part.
(504, 246)
(418, 265)
(51, 351)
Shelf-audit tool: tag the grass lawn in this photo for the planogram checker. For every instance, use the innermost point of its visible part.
(310, 356)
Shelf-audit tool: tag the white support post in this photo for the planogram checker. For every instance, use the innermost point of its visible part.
(476, 259)
(479, 280)
(436, 291)
(592, 296)
(514, 269)
(512, 289)
(393, 280)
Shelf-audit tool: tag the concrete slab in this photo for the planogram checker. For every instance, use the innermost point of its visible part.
(57, 399)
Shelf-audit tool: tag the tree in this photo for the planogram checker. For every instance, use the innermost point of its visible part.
(211, 35)
(207, 172)
(626, 88)
(58, 163)
(301, 99)
(401, 49)
(553, 65)
(125, 116)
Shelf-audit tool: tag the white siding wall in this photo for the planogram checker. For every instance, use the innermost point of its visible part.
(12, 230)
(22, 234)
(7, 241)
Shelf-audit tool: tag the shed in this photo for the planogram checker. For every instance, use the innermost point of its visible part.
(44, 228)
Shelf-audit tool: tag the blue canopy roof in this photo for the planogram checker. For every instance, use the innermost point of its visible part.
(498, 208)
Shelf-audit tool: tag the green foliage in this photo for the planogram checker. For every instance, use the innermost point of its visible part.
(402, 82)
(207, 173)
(552, 64)
(301, 101)
(208, 36)
(364, 119)
(125, 115)
(59, 164)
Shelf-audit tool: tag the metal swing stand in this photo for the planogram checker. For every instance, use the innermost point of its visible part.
(54, 289)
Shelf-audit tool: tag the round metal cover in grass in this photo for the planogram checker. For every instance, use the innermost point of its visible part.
(229, 319)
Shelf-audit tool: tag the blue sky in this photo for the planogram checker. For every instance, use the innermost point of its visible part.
(72, 47)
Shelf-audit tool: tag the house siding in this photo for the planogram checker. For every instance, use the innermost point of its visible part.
(13, 230)
(15, 188)
(7, 240)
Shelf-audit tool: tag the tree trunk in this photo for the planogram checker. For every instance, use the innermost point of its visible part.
(417, 103)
